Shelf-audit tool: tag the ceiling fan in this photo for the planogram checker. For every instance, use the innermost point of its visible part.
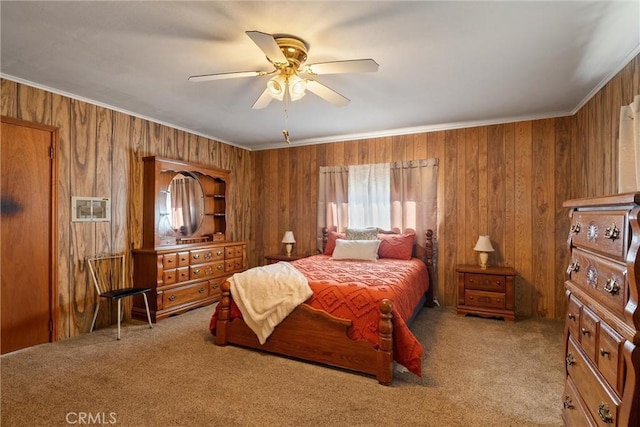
(291, 78)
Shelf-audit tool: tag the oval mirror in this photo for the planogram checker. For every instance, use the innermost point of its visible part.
(185, 204)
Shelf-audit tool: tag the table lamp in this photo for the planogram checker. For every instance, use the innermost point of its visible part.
(288, 241)
(483, 246)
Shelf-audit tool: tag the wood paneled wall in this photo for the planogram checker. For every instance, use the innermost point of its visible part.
(100, 156)
(508, 181)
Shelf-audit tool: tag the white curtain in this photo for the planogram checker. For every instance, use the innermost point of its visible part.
(369, 196)
(629, 147)
(407, 200)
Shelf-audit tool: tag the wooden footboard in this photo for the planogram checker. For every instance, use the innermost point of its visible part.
(314, 335)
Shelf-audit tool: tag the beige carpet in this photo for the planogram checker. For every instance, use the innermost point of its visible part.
(476, 372)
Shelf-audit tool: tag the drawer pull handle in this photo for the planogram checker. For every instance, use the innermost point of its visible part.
(173, 298)
(201, 290)
(572, 316)
(219, 267)
(571, 360)
(585, 331)
(567, 402)
(169, 261)
(611, 232)
(573, 267)
(575, 228)
(196, 271)
(604, 353)
(196, 256)
(216, 286)
(219, 253)
(611, 286)
(604, 413)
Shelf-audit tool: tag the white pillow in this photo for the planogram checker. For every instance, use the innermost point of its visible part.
(363, 250)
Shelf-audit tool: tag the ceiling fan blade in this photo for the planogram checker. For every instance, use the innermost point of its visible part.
(220, 76)
(349, 66)
(326, 93)
(267, 43)
(263, 100)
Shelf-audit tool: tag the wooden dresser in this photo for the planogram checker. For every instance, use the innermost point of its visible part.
(601, 339)
(186, 254)
(183, 277)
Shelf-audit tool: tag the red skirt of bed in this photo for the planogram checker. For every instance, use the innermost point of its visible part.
(353, 290)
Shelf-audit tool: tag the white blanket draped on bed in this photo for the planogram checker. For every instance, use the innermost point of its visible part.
(266, 295)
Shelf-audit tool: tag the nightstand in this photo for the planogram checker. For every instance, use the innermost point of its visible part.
(486, 292)
(273, 258)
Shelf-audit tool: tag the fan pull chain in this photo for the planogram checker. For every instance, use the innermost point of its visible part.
(285, 132)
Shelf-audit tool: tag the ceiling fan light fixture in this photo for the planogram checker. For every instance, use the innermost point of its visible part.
(297, 87)
(276, 86)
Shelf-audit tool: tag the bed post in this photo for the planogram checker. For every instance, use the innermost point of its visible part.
(428, 260)
(385, 350)
(223, 314)
(325, 237)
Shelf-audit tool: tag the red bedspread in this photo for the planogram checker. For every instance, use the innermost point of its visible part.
(353, 290)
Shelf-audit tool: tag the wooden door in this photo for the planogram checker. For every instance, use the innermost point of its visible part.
(27, 220)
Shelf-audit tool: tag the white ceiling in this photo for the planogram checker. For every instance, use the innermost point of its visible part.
(442, 64)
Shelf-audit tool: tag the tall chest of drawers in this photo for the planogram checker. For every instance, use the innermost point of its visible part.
(602, 338)
(183, 277)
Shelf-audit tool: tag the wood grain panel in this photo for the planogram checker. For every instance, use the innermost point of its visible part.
(34, 105)
(8, 98)
(523, 228)
(83, 157)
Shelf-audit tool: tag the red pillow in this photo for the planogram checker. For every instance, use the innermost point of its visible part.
(331, 242)
(397, 246)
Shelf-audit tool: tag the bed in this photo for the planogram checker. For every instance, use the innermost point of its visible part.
(356, 323)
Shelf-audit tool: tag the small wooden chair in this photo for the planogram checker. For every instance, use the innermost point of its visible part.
(108, 273)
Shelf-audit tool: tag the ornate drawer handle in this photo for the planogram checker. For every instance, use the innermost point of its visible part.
(611, 286)
(575, 228)
(196, 271)
(208, 255)
(219, 253)
(585, 331)
(196, 256)
(571, 360)
(611, 232)
(567, 402)
(573, 267)
(572, 316)
(173, 298)
(219, 267)
(201, 290)
(604, 353)
(604, 413)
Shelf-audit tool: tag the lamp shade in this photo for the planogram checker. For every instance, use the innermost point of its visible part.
(483, 244)
(288, 237)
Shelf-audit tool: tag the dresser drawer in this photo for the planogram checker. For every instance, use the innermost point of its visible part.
(233, 264)
(215, 287)
(184, 294)
(589, 326)
(206, 255)
(573, 411)
(484, 299)
(169, 277)
(169, 261)
(603, 279)
(601, 403)
(234, 251)
(574, 308)
(203, 271)
(601, 231)
(484, 282)
(183, 259)
(609, 356)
